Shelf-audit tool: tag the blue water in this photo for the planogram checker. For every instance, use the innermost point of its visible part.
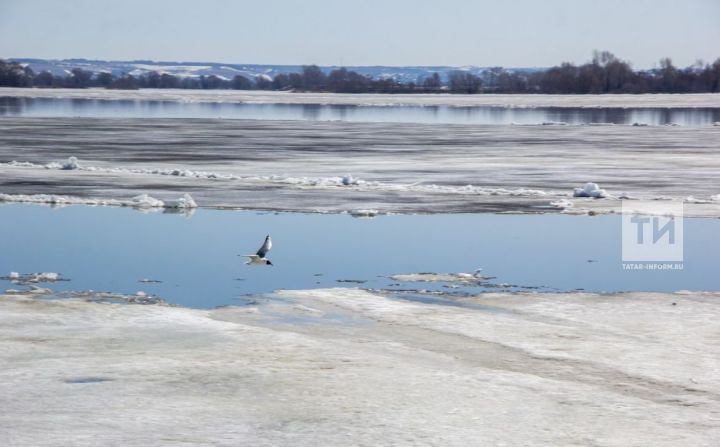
(66, 107)
(111, 249)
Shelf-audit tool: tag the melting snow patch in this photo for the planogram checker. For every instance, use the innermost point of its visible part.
(590, 190)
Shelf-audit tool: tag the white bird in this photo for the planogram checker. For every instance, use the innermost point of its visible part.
(259, 258)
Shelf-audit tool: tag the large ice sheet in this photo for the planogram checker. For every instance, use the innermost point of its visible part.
(335, 166)
(349, 367)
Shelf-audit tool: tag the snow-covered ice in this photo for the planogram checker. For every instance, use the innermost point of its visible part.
(350, 367)
(387, 167)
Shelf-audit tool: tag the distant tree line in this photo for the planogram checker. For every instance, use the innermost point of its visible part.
(605, 73)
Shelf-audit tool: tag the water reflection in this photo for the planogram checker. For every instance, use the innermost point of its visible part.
(194, 261)
(64, 107)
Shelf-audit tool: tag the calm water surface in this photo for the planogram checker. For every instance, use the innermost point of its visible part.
(68, 107)
(112, 249)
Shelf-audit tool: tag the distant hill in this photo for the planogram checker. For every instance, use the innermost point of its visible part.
(228, 71)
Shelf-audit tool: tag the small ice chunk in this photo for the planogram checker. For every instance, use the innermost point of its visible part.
(364, 213)
(184, 202)
(47, 276)
(70, 164)
(146, 201)
(349, 180)
(590, 190)
(14, 275)
(140, 293)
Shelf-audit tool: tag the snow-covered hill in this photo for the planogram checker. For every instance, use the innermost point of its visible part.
(228, 71)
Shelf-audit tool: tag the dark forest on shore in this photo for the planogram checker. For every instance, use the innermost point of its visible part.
(605, 73)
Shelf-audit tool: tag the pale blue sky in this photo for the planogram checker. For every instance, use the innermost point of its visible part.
(363, 32)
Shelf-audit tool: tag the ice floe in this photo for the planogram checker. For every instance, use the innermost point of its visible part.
(439, 277)
(33, 278)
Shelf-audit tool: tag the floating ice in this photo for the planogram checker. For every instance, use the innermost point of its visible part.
(590, 190)
(146, 201)
(184, 202)
(32, 278)
(440, 277)
(364, 213)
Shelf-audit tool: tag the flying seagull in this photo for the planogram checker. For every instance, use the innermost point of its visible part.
(259, 258)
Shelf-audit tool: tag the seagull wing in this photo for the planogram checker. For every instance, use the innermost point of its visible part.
(266, 246)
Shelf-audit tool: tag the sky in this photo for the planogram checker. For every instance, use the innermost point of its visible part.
(510, 33)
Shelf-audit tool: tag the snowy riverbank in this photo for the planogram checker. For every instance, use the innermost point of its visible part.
(350, 367)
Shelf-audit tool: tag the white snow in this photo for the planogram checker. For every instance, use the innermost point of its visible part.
(533, 369)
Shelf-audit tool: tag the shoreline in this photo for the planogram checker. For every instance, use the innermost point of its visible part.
(646, 100)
